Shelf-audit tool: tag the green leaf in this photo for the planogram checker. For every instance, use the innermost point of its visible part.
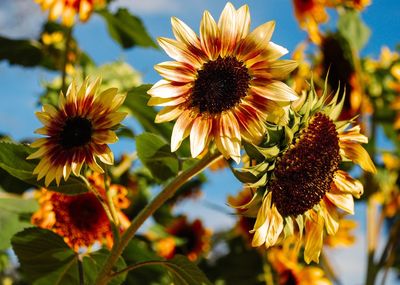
(351, 26)
(47, 260)
(136, 101)
(141, 251)
(127, 29)
(21, 52)
(13, 160)
(185, 272)
(155, 154)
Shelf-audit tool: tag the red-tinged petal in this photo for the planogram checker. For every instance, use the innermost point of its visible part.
(179, 52)
(228, 29)
(256, 41)
(176, 71)
(167, 89)
(185, 34)
(168, 114)
(209, 36)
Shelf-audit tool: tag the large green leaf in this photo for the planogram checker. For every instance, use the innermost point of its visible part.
(11, 209)
(127, 29)
(184, 272)
(47, 260)
(155, 154)
(136, 101)
(13, 160)
(141, 251)
(351, 26)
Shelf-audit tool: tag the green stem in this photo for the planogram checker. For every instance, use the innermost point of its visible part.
(68, 38)
(106, 272)
(80, 271)
(109, 196)
(99, 198)
(137, 265)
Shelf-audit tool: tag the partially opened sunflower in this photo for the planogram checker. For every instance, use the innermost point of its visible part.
(223, 85)
(302, 187)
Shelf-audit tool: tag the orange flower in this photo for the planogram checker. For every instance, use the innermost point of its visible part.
(223, 85)
(310, 13)
(80, 219)
(67, 9)
(190, 239)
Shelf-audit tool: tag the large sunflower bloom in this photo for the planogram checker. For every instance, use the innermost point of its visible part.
(67, 9)
(305, 187)
(77, 131)
(222, 85)
(81, 219)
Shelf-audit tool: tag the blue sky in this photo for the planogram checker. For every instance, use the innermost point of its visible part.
(20, 87)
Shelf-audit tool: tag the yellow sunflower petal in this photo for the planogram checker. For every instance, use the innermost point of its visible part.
(209, 36)
(228, 137)
(176, 71)
(342, 200)
(199, 135)
(165, 89)
(256, 41)
(227, 28)
(179, 52)
(168, 114)
(346, 184)
(181, 130)
(358, 155)
(184, 33)
(313, 238)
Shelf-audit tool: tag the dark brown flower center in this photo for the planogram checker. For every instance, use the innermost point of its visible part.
(305, 171)
(76, 132)
(85, 212)
(220, 85)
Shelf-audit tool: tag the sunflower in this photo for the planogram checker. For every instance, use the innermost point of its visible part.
(67, 9)
(302, 188)
(183, 237)
(77, 131)
(289, 271)
(309, 14)
(80, 219)
(222, 85)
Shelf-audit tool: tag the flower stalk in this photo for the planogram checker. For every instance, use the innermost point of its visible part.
(106, 273)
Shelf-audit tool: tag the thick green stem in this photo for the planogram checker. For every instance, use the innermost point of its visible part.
(109, 196)
(106, 272)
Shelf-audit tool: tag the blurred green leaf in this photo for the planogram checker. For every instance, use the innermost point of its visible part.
(47, 260)
(22, 52)
(13, 160)
(127, 29)
(155, 154)
(185, 272)
(351, 26)
(136, 101)
(10, 221)
(241, 265)
(140, 251)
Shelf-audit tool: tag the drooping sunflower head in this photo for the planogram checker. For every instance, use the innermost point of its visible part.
(80, 219)
(302, 186)
(222, 85)
(77, 131)
(67, 9)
